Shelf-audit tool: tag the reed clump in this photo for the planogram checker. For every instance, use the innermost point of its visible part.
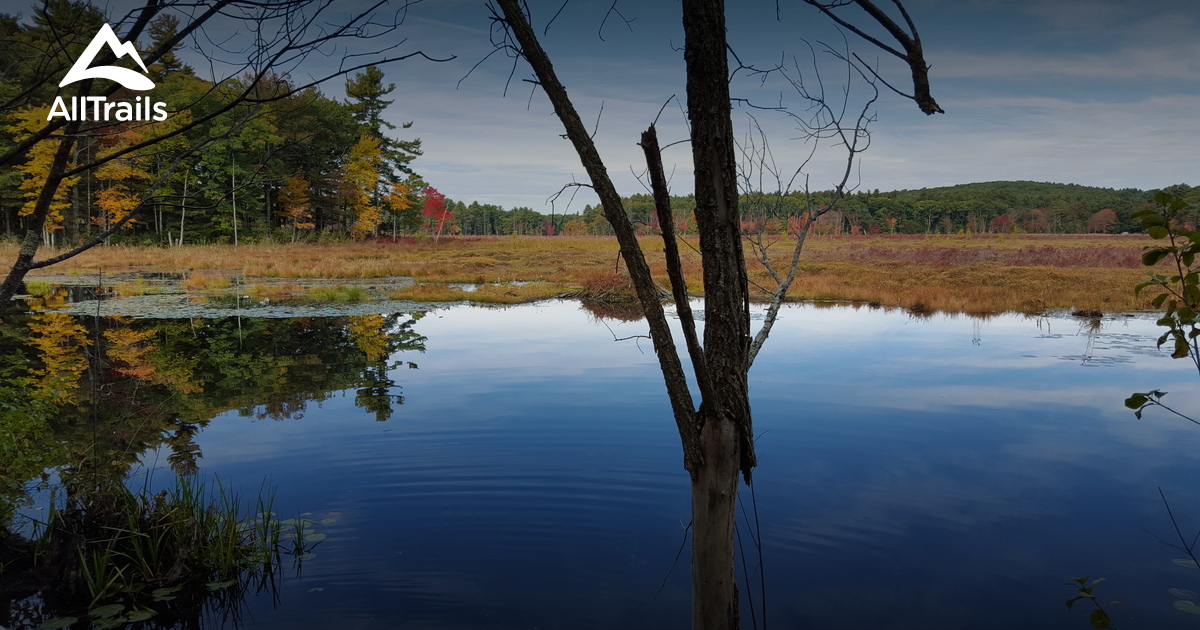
(121, 556)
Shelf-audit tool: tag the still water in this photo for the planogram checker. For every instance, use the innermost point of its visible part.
(519, 468)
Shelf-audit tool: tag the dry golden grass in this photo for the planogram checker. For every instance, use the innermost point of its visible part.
(968, 274)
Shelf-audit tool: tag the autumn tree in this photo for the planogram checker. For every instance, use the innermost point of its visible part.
(121, 179)
(1102, 221)
(294, 204)
(717, 435)
(399, 202)
(435, 209)
(361, 178)
(61, 30)
(36, 174)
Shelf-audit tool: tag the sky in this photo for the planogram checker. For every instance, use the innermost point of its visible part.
(1094, 92)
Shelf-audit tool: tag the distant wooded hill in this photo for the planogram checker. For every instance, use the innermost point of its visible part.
(986, 207)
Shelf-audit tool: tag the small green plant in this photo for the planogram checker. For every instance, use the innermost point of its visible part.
(1179, 290)
(1083, 589)
(124, 553)
(327, 294)
(38, 288)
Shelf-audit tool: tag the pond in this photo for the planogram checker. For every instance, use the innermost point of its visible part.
(518, 467)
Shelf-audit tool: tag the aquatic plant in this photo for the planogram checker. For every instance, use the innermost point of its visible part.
(119, 555)
(37, 288)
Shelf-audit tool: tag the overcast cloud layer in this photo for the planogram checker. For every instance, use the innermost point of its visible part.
(1094, 92)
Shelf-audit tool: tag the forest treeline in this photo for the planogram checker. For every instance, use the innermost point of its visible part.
(285, 163)
(291, 165)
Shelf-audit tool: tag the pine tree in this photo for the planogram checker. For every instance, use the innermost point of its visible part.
(367, 103)
(163, 28)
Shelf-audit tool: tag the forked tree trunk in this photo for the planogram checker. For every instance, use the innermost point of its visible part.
(725, 444)
(716, 439)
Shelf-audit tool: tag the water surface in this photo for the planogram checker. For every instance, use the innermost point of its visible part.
(941, 472)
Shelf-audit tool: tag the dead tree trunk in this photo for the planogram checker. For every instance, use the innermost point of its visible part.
(716, 436)
(715, 439)
(725, 431)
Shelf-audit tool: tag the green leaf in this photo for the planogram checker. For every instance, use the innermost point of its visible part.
(312, 538)
(216, 586)
(1162, 198)
(1136, 401)
(166, 593)
(1100, 620)
(1153, 256)
(58, 622)
(106, 611)
(1184, 593)
(1186, 562)
(1187, 607)
(1156, 232)
(140, 615)
(1181, 349)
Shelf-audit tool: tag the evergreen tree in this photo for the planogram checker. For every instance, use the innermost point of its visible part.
(163, 28)
(367, 103)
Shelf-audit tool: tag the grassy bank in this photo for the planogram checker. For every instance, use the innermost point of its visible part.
(984, 273)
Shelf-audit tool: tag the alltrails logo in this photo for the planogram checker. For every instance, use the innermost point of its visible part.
(99, 108)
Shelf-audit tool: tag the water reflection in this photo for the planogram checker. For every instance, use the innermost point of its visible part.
(86, 399)
(933, 471)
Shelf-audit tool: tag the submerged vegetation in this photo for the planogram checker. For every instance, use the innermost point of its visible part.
(83, 399)
(119, 556)
(977, 274)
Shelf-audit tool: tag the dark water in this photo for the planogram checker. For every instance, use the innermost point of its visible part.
(914, 473)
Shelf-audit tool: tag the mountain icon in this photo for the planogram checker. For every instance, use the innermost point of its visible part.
(124, 76)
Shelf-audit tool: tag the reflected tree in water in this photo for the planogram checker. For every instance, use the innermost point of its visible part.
(149, 384)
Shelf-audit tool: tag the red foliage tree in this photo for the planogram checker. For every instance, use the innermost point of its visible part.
(435, 208)
(1003, 224)
(1102, 221)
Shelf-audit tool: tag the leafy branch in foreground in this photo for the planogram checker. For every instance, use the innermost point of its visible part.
(1099, 618)
(1179, 295)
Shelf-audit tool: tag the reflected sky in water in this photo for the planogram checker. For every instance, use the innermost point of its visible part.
(941, 472)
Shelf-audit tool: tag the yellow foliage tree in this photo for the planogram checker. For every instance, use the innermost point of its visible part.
(34, 171)
(399, 199)
(575, 227)
(294, 204)
(367, 333)
(121, 177)
(59, 341)
(361, 176)
(133, 353)
(127, 350)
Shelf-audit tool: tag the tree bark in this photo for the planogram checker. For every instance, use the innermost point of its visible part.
(725, 443)
(37, 220)
(717, 438)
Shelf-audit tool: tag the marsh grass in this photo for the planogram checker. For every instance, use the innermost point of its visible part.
(980, 273)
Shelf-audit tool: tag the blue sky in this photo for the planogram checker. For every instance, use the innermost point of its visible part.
(1095, 92)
